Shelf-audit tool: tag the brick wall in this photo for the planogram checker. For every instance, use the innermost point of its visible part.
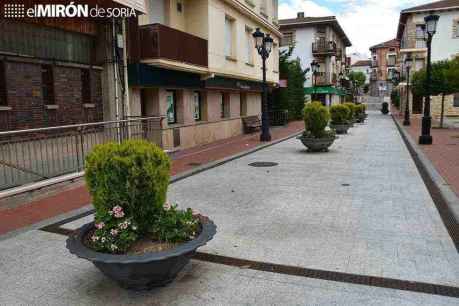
(28, 110)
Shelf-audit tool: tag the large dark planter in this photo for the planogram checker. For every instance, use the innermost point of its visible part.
(340, 128)
(317, 144)
(385, 108)
(141, 272)
(361, 118)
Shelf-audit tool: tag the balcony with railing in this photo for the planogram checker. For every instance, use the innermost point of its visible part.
(373, 76)
(162, 42)
(374, 63)
(324, 79)
(323, 47)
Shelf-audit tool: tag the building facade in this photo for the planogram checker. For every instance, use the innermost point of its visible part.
(321, 39)
(58, 71)
(445, 45)
(196, 65)
(385, 59)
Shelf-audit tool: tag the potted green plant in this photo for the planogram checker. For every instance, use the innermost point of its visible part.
(137, 239)
(360, 113)
(315, 137)
(339, 115)
(351, 118)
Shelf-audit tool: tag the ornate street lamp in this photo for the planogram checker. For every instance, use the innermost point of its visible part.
(264, 45)
(408, 64)
(429, 30)
(315, 69)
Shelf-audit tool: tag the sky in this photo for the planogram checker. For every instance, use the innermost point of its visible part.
(365, 22)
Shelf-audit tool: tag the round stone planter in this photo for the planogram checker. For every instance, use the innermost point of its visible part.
(146, 271)
(340, 128)
(317, 144)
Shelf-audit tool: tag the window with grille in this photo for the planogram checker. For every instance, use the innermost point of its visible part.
(46, 42)
(3, 101)
(288, 39)
(86, 86)
(47, 84)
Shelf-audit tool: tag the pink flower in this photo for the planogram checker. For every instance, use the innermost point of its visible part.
(124, 225)
(167, 206)
(118, 211)
(100, 225)
(114, 232)
(94, 238)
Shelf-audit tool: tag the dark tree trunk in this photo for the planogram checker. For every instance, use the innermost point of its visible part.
(442, 114)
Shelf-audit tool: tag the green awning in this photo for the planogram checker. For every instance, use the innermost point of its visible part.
(324, 90)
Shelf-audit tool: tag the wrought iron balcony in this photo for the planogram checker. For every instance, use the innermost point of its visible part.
(158, 41)
(374, 63)
(323, 47)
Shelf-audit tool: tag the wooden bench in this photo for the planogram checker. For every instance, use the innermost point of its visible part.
(251, 123)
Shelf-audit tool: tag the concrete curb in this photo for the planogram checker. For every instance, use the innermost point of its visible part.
(448, 195)
(75, 214)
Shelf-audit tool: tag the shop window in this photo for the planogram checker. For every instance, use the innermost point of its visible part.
(171, 100)
(3, 101)
(225, 106)
(86, 86)
(197, 106)
(47, 84)
(243, 106)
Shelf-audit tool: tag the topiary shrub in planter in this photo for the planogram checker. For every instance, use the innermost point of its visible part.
(360, 112)
(351, 107)
(136, 239)
(315, 137)
(339, 118)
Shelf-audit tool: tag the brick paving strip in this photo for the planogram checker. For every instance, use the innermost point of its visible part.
(184, 163)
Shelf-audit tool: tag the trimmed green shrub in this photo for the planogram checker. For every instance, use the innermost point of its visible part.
(359, 109)
(128, 183)
(133, 175)
(351, 107)
(339, 114)
(316, 117)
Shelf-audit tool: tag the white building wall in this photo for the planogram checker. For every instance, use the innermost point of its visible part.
(303, 49)
(444, 46)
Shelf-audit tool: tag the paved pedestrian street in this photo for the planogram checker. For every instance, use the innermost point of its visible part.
(354, 226)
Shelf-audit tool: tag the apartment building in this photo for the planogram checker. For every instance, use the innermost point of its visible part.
(197, 66)
(385, 59)
(321, 39)
(59, 71)
(445, 45)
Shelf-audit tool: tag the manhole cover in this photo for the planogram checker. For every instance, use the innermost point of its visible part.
(263, 164)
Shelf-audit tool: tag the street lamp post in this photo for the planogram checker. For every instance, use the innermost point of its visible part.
(264, 44)
(430, 29)
(315, 68)
(408, 63)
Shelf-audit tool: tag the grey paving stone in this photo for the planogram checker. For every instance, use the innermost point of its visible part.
(56, 277)
(383, 223)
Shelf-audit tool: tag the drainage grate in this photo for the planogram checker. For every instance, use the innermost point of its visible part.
(263, 164)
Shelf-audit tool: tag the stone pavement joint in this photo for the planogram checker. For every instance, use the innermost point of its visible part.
(341, 277)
